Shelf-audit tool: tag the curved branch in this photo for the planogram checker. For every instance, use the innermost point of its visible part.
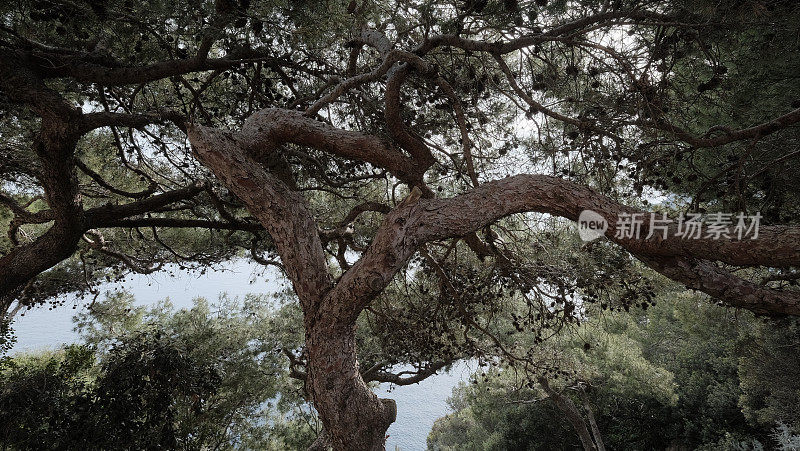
(729, 136)
(413, 144)
(566, 29)
(409, 226)
(570, 410)
(102, 182)
(283, 213)
(360, 79)
(266, 129)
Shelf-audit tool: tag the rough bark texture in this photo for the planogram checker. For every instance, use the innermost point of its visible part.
(267, 127)
(54, 146)
(353, 417)
(62, 126)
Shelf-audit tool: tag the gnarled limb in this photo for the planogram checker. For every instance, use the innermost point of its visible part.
(266, 128)
(354, 418)
(283, 213)
(406, 377)
(407, 227)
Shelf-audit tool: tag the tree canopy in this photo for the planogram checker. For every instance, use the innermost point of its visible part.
(212, 376)
(677, 375)
(411, 167)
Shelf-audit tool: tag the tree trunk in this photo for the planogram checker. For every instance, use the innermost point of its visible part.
(598, 438)
(55, 147)
(354, 418)
(572, 413)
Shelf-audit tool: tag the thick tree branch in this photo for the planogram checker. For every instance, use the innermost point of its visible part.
(409, 226)
(93, 121)
(264, 130)
(284, 213)
(105, 214)
(177, 223)
(25, 87)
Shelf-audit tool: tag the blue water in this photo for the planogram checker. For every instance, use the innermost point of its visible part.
(418, 406)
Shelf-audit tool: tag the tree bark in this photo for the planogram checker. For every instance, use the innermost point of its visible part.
(62, 126)
(54, 146)
(354, 418)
